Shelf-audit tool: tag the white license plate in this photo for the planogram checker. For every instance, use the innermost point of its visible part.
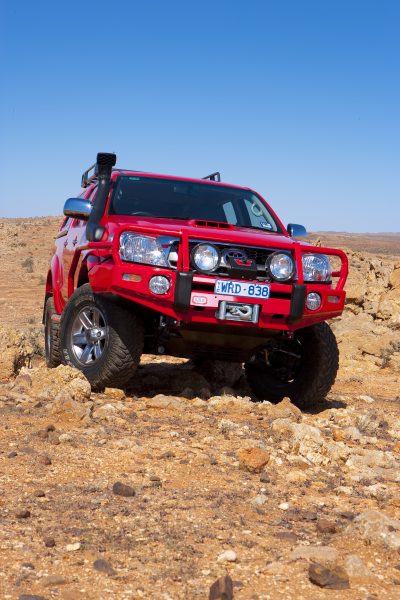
(243, 289)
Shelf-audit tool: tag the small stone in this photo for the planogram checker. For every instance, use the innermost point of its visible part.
(53, 438)
(335, 578)
(45, 460)
(49, 542)
(253, 459)
(260, 499)
(322, 553)
(121, 489)
(103, 566)
(65, 437)
(326, 526)
(53, 580)
(43, 434)
(40, 493)
(284, 505)
(227, 556)
(222, 589)
(367, 399)
(12, 454)
(287, 536)
(30, 597)
(73, 547)
(167, 455)
(355, 566)
(265, 478)
(23, 514)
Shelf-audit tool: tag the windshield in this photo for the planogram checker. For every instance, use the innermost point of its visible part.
(172, 199)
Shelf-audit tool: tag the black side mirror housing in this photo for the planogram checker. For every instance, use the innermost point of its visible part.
(296, 231)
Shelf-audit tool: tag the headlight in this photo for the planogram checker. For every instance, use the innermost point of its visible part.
(280, 266)
(205, 257)
(316, 267)
(138, 248)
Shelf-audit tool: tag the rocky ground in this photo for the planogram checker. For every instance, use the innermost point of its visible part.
(163, 489)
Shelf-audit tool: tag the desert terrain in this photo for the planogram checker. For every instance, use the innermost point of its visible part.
(161, 490)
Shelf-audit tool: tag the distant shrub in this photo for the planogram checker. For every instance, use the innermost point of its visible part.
(27, 264)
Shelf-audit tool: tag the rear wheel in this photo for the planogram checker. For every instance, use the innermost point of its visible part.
(303, 368)
(51, 335)
(102, 339)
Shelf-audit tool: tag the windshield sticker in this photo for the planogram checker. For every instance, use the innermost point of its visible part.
(265, 225)
(256, 210)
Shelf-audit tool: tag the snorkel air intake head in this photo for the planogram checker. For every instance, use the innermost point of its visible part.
(102, 173)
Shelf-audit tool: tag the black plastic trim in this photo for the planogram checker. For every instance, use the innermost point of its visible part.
(183, 291)
(297, 302)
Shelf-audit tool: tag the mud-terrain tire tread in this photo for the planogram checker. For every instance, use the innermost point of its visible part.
(314, 381)
(53, 353)
(124, 346)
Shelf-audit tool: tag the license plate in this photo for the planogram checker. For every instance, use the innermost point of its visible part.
(242, 289)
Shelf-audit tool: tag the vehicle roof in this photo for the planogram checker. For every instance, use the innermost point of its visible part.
(130, 172)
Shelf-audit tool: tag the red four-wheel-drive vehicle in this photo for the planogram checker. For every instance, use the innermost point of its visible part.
(194, 268)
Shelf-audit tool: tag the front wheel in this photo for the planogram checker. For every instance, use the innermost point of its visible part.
(100, 338)
(303, 368)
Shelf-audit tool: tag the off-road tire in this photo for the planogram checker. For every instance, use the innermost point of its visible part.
(123, 339)
(315, 374)
(51, 335)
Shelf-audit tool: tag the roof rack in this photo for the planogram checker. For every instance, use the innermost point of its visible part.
(214, 176)
(86, 179)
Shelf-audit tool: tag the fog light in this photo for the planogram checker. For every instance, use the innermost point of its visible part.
(313, 301)
(159, 285)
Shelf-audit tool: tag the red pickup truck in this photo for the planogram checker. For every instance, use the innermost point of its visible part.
(194, 268)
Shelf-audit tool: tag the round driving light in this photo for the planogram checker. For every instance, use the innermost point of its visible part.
(313, 301)
(159, 285)
(205, 257)
(280, 266)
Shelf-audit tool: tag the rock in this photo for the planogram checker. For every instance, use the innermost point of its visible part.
(318, 553)
(366, 398)
(103, 566)
(284, 506)
(121, 489)
(335, 578)
(47, 383)
(115, 394)
(264, 477)
(40, 493)
(65, 437)
(253, 459)
(53, 580)
(161, 401)
(260, 499)
(222, 589)
(355, 566)
(12, 454)
(227, 556)
(73, 547)
(16, 351)
(66, 408)
(225, 425)
(44, 460)
(326, 526)
(49, 542)
(23, 514)
(30, 597)
(374, 526)
(287, 536)
(283, 410)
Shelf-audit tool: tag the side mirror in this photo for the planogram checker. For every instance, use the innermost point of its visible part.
(78, 208)
(296, 231)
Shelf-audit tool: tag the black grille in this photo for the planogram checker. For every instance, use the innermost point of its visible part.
(260, 255)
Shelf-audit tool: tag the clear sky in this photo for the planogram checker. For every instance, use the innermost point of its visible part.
(299, 99)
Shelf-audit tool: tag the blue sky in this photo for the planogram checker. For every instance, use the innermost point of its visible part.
(297, 99)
